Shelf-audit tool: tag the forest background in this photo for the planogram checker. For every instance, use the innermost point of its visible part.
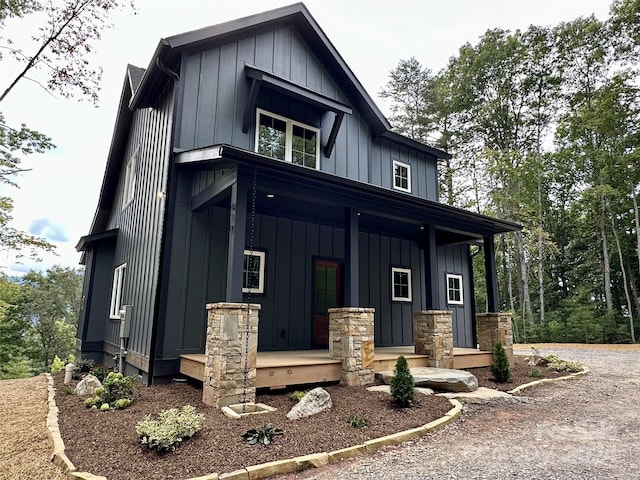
(543, 126)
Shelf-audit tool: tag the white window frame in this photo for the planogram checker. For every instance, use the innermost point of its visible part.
(288, 137)
(116, 291)
(130, 180)
(260, 288)
(451, 300)
(398, 163)
(395, 270)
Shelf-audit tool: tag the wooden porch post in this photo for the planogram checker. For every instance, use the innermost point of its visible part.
(352, 257)
(431, 268)
(491, 275)
(237, 234)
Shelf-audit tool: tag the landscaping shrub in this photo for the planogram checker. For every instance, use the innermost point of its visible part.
(100, 372)
(172, 427)
(560, 365)
(297, 395)
(116, 392)
(402, 385)
(500, 367)
(356, 420)
(57, 365)
(84, 365)
(264, 435)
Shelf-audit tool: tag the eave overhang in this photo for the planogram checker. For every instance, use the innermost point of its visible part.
(85, 242)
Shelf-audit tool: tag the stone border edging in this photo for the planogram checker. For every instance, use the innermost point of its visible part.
(59, 457)
(535, 383)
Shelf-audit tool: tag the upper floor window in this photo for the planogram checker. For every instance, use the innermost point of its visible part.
(253, 272)
(116, 291)
(454, 289)
(400, 284)
(130, 180)
(284, 139)
(401, 176)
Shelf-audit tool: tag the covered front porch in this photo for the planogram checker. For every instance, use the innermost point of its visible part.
(302, 367)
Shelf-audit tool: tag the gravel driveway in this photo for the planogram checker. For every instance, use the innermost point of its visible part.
(588, 428)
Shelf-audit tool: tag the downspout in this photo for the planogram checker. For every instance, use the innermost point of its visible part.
(160, 284)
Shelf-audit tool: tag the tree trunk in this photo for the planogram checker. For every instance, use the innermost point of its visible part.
(523, 281)
(608, 296)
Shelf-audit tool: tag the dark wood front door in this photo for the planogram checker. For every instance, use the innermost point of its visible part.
(328, 294)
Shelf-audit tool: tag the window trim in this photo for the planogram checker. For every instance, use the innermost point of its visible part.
(129, 189)
(393, 284)
(398, 163)
(116, 291)
(262, 255)
(288, 136)
(459, 278)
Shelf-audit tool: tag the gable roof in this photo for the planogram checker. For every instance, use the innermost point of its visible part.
(168, 52)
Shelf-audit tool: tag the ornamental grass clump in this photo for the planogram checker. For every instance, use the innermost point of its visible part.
(116, 393)
(172, 427)
(402, 384)
(500, 367)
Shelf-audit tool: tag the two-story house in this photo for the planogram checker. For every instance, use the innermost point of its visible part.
(248, 163)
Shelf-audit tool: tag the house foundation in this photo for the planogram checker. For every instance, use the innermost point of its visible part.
(494, 327)
(433, 336)
(351, 340)
(230, 354)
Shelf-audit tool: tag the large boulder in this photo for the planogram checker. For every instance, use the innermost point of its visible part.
(442, 379)
(87, 385)
(316, 401)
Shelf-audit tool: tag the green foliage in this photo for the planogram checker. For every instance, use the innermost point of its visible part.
(67, 390)
(560, 365)
(356, 420)
(18, 367)
(172, 427)
(402, 384)
(85, 365)
(535, 373)
(117, 392)
(297, 395)
(57, 365)
(264, 435)
(500, 368)
(100, 372)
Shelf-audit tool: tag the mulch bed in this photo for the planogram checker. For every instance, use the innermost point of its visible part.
(105, 443)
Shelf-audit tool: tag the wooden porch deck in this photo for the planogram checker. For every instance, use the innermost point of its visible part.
(299, 367)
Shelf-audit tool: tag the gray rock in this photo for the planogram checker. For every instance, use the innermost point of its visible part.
(387, 389)
(481, 395)
(87, 385)
(442, 379)
(314, 402)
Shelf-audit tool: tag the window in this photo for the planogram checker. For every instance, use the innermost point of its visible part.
(116, 291)
(454, 289)
(284, 139)
(401, 284)
(401, 176)
(130, 180)
(253, 272)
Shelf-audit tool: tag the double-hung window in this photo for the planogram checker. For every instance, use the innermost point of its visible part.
(401, 176)
(253, 272)
(454, 289)
(116, 291)
(400, 284)
(284, 139)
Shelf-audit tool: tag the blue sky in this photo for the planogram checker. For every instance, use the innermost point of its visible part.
(58, 195)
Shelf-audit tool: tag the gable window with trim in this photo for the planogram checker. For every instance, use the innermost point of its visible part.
(253, 272)
(400, 284)
(116, 291)
(130, 180)
(401, 176)
(284, 139)
(454, 289)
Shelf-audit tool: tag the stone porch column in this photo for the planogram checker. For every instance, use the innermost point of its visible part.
(493, 327)
(433, 336)
(230, 330)
(351, 341)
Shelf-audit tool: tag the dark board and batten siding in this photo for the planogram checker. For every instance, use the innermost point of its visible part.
(214, 92)
(140, 222)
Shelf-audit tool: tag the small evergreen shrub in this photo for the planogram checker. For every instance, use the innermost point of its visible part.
(536, 373)
(356, 420)
(560, 365)
(172, 427)
(57, 365)
(84, 365)
(264, 435)
(100, 372)
(116, 392)
(402, 385)
(500, 367)
(297, 395)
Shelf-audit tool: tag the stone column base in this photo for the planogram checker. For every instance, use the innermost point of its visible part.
(351, 341)
(494, 327)
(433, 336)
